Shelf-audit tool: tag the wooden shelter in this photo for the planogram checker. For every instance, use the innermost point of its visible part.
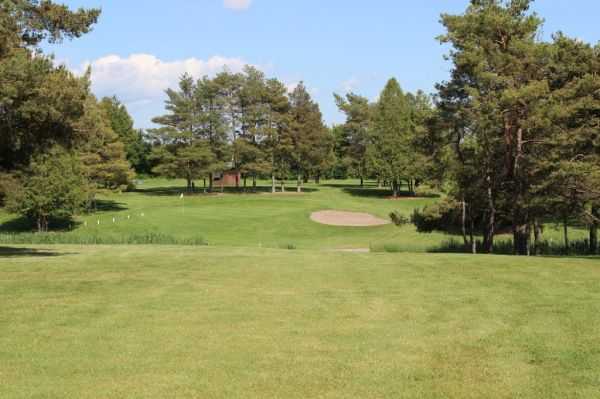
(228, 178)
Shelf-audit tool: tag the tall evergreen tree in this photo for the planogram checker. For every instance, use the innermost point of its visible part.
(308, 135)
(121, 122)
(390, 151)
(354, 135)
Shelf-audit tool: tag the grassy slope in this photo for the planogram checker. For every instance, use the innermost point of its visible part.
(256, 220)
(157, 322)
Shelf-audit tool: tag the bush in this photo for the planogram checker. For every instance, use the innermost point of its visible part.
(54, 187)
(399, 219)
(442, 216)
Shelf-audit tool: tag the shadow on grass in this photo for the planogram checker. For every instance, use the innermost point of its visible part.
(22, 224)
(110, 206)
(9, 252)
(176, 191)
(25, 225)
(382, 193)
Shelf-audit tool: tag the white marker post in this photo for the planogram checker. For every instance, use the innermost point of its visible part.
(182, 198)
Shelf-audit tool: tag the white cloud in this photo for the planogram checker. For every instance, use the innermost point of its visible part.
(291, 86)
(143, 77)
(350, 85)
(237, 5)
(140, 80)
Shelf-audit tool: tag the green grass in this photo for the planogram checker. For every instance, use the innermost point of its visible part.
(216, 322)
(247, 220)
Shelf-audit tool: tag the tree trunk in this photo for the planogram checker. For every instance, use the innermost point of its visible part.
(521, 233)
(299, 184)
(254, 182)
(282, 186)
(537, 237)
(210, 182)
(594, 239)
(490, 230)
(362, 181)
(594, 231)
(566, 235)
(273, 189)
(395, 188)
(472, 236)
(463, 223)
(42, 224)
(318, 178)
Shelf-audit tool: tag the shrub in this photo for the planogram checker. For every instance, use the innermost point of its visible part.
(53, 187)
(399, 219)
(441, 216)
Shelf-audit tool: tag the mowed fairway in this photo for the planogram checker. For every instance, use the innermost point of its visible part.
(260, 220)
(206, 322)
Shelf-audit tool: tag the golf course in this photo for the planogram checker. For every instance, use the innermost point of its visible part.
(239, 199)
(272, 305)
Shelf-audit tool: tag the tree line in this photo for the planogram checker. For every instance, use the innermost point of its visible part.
(243, 122)
(59, 145)
(383, 139)
(516, 129)
(512, 139)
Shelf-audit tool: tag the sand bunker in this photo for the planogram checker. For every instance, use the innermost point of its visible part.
(351, 219)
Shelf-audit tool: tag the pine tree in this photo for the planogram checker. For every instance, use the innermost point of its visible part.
(307, 135)
(390, 151)
(354, 135)
(121, 122)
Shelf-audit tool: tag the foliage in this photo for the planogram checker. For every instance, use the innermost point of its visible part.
(102, 153)
(136, 147)
(53, 187)
(39, 103)
(248, 123)
(352, 138)
(444, 215)
(39, 108)
(26, 23)
(8, 184)
(519, 120)
(399, 219)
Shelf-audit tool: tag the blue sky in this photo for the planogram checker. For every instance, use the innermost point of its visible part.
(139, 48)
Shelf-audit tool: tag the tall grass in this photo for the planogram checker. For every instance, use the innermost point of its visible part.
(88, 239)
